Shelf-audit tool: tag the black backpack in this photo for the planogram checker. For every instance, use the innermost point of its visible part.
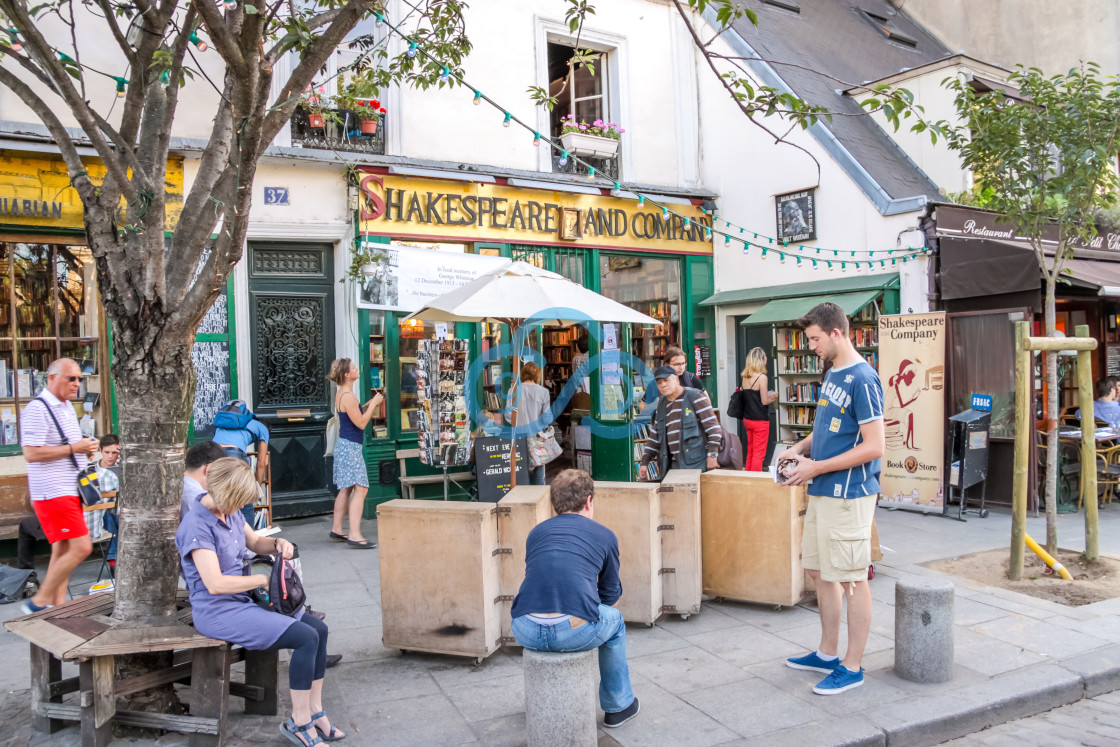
(285, 590)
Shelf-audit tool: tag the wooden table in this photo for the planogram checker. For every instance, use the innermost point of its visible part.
(82, 631)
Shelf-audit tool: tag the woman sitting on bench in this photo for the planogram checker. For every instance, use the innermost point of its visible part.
(212, 541)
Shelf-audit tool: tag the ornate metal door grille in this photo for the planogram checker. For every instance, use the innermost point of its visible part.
(291, 369)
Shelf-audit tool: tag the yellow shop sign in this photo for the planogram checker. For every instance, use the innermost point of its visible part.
(433, 209)
(35, 191)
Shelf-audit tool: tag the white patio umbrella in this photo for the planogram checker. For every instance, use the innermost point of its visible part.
(517, 291)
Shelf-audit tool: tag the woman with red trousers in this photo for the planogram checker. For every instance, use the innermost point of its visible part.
(756, 402)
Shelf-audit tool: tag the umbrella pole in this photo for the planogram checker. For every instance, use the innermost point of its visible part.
(513, 327)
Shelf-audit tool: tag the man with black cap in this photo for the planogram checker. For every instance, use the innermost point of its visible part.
(685, 428)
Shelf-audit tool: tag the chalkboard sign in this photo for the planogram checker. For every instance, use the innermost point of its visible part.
(212, 390)
(1113, 353)
(491, 455)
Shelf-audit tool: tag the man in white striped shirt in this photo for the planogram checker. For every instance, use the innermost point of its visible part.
(839, 462)
(55, 454)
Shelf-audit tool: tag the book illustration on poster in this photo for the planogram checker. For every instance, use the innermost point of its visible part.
(491, 454)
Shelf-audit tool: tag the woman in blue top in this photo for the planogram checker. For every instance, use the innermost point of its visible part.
(213, 542)
(349, 465)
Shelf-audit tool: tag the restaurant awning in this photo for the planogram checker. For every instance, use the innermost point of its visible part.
(1096, 273)
(789, 309)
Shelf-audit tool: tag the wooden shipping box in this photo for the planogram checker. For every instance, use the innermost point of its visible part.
(751, 537)
(633, 512)
(680, 542)
(519, 511)
(440, 576)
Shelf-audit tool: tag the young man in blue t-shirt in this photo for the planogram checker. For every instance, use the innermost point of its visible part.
(842, 472)
(571, 581)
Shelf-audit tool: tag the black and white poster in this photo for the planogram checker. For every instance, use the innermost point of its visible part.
(797, 217)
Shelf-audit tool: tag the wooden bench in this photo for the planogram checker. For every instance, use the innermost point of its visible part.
(408, 484)
(82, 631)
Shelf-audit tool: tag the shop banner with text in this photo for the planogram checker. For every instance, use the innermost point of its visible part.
(405, 279)
(441, 210)
(912, 369)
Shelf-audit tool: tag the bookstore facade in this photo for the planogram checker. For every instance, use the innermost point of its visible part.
(49, 306)
(766, 318)
(420, 234)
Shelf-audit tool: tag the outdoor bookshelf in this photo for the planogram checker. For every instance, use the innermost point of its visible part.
(379, 423)
(797, 371)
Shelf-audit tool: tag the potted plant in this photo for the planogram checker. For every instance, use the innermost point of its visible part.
(598, 139)
(357, 96)
(316, 105)
(364, 263)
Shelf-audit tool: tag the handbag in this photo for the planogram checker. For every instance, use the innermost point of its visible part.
(88, 490)
(736, 408)
(331, 436)
(285, 592)
(543, 447)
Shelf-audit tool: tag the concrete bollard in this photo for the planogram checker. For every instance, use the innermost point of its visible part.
(923, 630)
(560, 704)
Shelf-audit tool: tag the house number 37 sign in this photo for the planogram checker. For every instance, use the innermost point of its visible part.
(275, 195)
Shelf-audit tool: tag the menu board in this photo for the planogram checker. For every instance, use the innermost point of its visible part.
(212, 386)
(1113, 357)
(491, 456)
(441, 420)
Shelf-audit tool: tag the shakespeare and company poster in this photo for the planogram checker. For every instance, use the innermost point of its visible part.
(912, 368)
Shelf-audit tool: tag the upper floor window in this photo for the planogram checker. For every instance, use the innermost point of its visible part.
(580, 86)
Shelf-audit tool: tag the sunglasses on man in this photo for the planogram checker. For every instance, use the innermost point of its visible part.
(72, 379)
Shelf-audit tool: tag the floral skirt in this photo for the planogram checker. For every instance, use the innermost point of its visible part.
(349, 465)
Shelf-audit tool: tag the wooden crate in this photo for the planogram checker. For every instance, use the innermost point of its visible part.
(680, 542)
(751, 537)
(519, 511)
(440, 577)
(633, 512)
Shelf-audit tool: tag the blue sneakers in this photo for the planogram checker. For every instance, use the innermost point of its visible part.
(813, 663)
(840, 680)
(29, 608)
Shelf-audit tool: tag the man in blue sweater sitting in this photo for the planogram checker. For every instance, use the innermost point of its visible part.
(571, 579)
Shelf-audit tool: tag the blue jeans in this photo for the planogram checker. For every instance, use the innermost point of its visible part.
(536, 475)
(608, 635)
(112, 523)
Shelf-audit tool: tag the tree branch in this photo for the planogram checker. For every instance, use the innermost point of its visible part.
(224, 41)
(114, 27)
(723, 81)
(81, 110)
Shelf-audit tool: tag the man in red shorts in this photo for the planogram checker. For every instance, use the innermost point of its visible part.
(53, 462)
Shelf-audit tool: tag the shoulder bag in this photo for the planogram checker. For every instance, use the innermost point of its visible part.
(736, 407)
(332, 432)
(285, 592)
(543, 447)
(88, 490)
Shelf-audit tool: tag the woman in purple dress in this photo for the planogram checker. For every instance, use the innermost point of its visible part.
(214, 541)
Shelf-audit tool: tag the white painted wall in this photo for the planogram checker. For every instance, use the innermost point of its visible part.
(746, 168)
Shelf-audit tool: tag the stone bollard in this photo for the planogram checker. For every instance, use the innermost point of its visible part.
(560, 704)
(923, 630)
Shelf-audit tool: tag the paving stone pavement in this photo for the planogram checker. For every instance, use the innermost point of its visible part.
(1094, 722)
(716, 678)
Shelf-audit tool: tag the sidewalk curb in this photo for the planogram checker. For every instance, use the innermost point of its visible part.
(923, 720)
(1025, 692)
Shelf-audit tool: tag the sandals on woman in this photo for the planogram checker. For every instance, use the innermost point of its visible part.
(310, 734)
(334, 735)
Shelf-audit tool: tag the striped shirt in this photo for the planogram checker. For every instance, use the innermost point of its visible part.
(57, 477)
(704, 414)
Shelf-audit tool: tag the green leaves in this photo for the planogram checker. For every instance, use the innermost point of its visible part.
(1046, 155)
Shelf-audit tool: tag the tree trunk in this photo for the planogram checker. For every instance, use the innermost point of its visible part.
(1052, 444)
(154, 393)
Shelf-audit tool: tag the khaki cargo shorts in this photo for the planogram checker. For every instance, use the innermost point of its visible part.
(837, 537)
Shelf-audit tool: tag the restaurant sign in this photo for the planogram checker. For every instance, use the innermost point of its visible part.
(471, 211)
(970, 223)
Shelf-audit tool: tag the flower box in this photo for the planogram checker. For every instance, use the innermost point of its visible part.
(589, 145)
(368, 126)
(316, 119)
